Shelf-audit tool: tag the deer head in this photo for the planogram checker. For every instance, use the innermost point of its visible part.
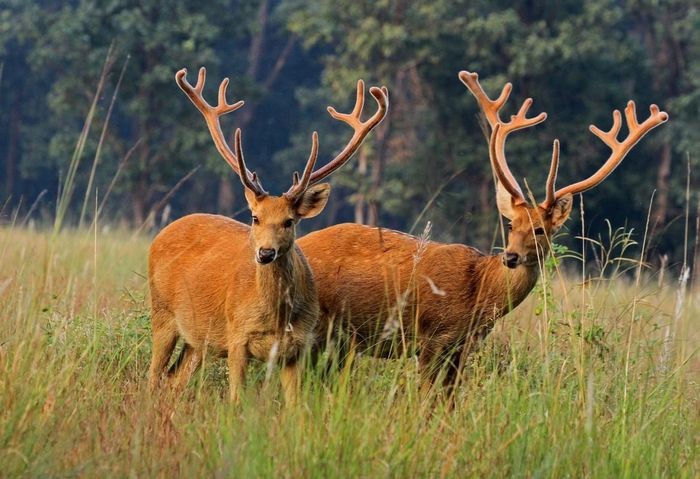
(532, 225)
(274, 218)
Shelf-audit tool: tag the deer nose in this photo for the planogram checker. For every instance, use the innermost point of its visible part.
(266, 255)
(511, 259)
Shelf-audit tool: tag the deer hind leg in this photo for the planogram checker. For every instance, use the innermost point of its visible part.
(453, 367)
(434, 363)
(164, 339)
(187, 364)
(335, 353)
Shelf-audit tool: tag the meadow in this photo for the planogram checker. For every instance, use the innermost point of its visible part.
(595, 378)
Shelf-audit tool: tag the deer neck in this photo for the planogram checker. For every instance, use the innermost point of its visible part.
(503, 288)
(280, 284)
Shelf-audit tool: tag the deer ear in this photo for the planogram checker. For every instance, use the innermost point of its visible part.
(505, 202)
(561, 210)
(251, 198)
(313, 200)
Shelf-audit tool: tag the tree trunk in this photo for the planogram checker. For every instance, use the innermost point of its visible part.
(486, 192)
(662, 185)
(257, 42)
(12, 150)
(226, 198)
(331, 211)
(377, 178)
(360, 197)
(139, 200)
(138, 207)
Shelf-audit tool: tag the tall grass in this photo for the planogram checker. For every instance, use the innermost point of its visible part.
(555, 391)
(68, 182)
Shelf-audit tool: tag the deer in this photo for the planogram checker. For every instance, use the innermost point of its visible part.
(237, 290)
(442, 299)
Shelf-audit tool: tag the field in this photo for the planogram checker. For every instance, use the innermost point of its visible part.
(594, 379)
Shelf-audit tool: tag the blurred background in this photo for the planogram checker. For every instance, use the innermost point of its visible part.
(93, 124)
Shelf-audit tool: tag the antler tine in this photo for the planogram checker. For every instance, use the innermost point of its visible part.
(300, 185)
(499, 165)
(249, 180)
(489, 107)
(211, 114)
(193, 92)
(224, 107)
(619, 148)
(362, 129)
(491, 110)
(609, 136)
(359, 99)
(201, 79)
(520, 120)
(353, 118)
(552, 176)
(517, 122)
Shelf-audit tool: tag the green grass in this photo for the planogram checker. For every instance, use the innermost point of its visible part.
(569, 385)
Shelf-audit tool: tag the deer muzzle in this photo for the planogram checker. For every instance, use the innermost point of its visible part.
(511, 260)
(266, 255)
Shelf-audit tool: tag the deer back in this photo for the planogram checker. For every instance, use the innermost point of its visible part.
(370, 277)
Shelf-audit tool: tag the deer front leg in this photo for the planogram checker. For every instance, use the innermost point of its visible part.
(237, 362)
(290, 378)
(188, 363)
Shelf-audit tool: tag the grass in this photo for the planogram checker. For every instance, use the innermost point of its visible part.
(569, 385)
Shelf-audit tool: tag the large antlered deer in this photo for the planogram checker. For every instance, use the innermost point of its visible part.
(238, 290)
(449, 295)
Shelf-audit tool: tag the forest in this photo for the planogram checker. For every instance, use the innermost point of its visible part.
(88, 95)
(565, 355)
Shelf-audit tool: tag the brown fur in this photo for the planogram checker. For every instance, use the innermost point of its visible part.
(451, 296)
(207, 289)
(237, 290)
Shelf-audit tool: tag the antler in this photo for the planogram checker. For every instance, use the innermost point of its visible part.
(500, 129)
(212, 115)
(252, 182)
(619, 148)
(236, 161)
(552, 176)
(488, 106)
(362, 129)
(300, 185)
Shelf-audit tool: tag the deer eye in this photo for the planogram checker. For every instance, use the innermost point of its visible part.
(539, 231)
(510, 226)
(256, 221)
(288, 223)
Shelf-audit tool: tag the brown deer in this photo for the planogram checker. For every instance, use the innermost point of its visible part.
(238, 290)
(441, 298)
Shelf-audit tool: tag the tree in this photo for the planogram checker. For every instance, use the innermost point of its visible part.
(433, 147)
(670, 39)
(288, 59)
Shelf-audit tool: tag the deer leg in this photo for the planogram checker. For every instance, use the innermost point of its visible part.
(429, 367)
(290, 378)
(453, 367)
(188, 363)
(343, 352)
(164, 340)
(237, 362)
